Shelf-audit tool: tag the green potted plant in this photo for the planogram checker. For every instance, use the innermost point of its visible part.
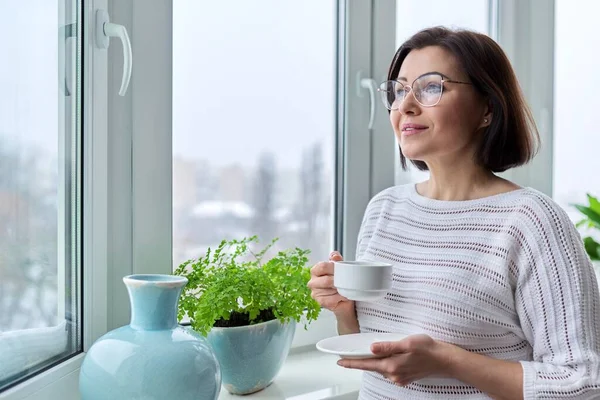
(248, 308)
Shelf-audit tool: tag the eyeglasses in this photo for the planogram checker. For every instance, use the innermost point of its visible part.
(427, 90)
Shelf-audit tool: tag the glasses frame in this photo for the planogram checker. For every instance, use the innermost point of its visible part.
(443, 80)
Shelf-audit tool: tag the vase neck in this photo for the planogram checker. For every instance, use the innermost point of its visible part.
(154, 300)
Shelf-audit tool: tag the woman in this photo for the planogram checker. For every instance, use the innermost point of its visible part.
(491, 282)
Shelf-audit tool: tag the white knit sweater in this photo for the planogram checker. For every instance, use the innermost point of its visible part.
(505, 276)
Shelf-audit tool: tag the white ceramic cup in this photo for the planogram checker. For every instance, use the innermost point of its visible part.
(362, 280)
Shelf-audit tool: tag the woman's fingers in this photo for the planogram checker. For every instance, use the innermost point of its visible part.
(322, 268)
(335, 256)
(321, 282)
(326, 267)
(316, 294)
(330, 302)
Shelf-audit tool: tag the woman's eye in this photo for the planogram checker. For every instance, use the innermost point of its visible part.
(432, 88)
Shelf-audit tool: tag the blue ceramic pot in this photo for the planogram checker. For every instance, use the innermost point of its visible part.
(251, 356)
(152, 357)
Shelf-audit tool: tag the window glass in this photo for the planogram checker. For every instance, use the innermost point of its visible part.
(576, 84)
(253, 124)
(39, 186)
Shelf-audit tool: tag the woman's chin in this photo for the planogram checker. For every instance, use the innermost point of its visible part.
(412, 151)
(413, 155)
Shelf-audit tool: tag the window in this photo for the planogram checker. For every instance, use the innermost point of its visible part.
(253, 124)
(40, 186)
(413, 15)
(282, 115)
(576, 136)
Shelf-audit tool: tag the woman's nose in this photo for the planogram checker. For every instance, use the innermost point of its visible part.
(409, 104)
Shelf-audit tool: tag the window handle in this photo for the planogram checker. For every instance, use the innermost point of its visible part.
(65, 33)
(104, 31)
(371, 86)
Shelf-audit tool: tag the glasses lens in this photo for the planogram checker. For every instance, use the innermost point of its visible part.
(392, 94)
(428, 89)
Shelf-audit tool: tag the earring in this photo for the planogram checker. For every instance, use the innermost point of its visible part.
(485, 121)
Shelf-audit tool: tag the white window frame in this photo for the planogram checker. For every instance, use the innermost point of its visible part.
(369, 156)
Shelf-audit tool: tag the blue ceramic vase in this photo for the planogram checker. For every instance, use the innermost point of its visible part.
(251, 356)
(152, 357)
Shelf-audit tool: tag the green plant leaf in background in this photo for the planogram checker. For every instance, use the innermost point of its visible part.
(594, 203)
(591, 213)
(592, 216)
(592, 248)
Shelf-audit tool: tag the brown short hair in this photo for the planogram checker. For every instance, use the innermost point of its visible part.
(512, 138)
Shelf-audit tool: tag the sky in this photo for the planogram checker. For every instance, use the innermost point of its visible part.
(29, 74)
(252, 76)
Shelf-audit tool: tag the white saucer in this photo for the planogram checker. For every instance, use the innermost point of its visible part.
(357, 345)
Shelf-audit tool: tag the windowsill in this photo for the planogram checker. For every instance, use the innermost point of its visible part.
(308, 374)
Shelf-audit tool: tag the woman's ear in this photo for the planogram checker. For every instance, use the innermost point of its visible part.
(486, 120)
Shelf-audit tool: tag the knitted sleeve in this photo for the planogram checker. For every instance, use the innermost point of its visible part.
(557, 301)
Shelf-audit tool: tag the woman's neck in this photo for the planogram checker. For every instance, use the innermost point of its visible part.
(456, 183)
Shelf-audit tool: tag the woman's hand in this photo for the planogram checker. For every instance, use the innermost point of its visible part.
(323, 291)
(405, 361)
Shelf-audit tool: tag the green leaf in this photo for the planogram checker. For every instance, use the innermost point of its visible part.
(592, 215)
(594, 203)
(592, 248)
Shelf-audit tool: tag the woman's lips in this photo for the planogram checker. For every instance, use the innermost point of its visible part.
(410, 131)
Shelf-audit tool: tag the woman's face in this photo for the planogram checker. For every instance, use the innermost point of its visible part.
(448, 131)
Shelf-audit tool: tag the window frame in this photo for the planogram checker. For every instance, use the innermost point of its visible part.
(526, 33)
(368, 156)
(67, 128)
(58, 381)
